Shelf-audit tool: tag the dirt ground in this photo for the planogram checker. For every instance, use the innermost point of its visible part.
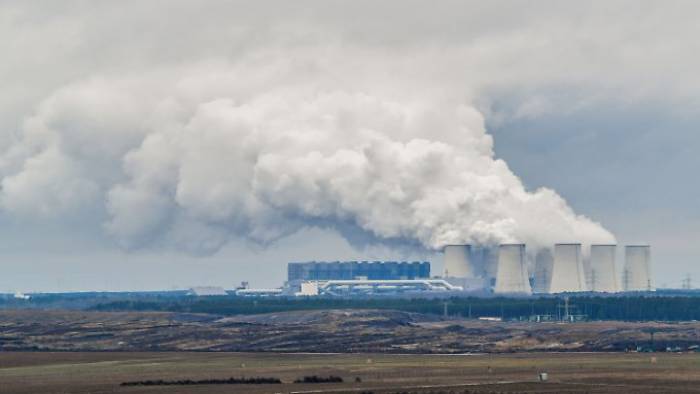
(323, 331)
(102, 372)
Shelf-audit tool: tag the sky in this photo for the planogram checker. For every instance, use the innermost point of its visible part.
(159, 145)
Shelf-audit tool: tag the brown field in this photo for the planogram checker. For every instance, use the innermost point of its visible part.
(327, 331)
(102, 372)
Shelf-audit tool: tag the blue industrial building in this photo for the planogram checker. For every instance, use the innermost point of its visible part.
(348, 270)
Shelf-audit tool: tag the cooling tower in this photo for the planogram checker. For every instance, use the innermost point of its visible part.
(485, 261)
(478, 261)
(511, 275)
(458, 262)
(637, 273)
(544, 262)
(567, 272)
(602, 275)
(587, 270)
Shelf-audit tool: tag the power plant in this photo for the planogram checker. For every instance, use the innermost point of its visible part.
(360, 278)
(567, 272)
(464, 267)
(558, 269)
(544, 264)
(475, 269)
(636, 275)
(458, 261)
(603, 275)
(511, 275)
(346, 270)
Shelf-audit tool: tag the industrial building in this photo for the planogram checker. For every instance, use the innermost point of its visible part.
(636, 275)
(603, 274)
(481, 269)
(567, 272)
(274, 292)
(367, 287)
(512, 276)
(348, 270)
(206, 291)
(359, 278)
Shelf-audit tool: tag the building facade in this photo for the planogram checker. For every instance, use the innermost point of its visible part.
(349, 270)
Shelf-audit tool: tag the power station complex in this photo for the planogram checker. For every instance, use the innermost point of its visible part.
(560, 269)
(505, 269)
(339, 278)
(376, 270)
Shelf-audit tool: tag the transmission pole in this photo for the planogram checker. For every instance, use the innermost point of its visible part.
(687, 282)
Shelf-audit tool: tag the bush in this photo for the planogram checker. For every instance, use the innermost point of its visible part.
(319, 379)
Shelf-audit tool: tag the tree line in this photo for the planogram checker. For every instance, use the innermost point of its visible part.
(626, 308)
(188, 382)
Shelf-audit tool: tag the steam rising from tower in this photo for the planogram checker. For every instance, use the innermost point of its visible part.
(193, 156)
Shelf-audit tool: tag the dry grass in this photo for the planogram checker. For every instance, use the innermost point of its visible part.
(380, 373)
(320, 331)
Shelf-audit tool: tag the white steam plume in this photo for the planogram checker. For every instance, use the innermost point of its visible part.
(194, 155)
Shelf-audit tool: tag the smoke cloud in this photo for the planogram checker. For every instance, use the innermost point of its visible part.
(191, 156)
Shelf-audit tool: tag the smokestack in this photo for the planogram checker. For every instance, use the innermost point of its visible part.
(637, 273)
(458, 262)
(544, 262)
(567, 273)
(511, 275)
(603, 274)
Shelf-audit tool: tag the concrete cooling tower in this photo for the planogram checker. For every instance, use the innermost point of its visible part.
(511, 275)
(485, 259)
(602, 275)
(567, 272)
(637, 273)
(544, 262)
(482, 262)
(458, 262)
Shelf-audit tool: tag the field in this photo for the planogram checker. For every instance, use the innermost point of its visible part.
(102, 372)
(372, 351)
(330, 331)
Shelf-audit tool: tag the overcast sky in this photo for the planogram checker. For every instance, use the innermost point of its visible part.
(152, 145)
